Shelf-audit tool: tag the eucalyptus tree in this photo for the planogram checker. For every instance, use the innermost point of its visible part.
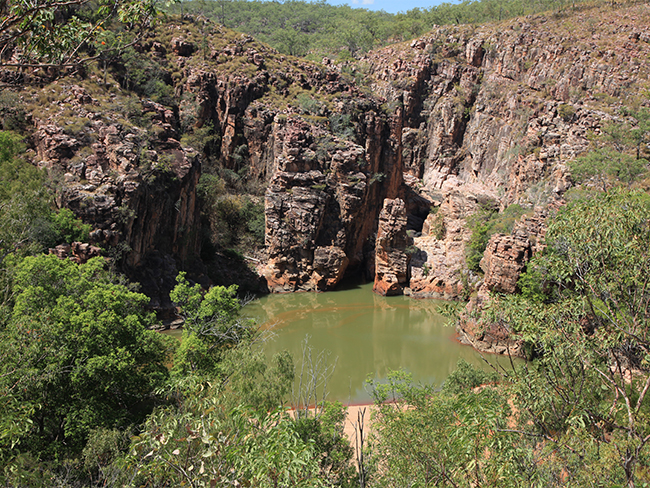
(56, 34)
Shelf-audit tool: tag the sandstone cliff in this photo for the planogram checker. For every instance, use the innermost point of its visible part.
(495, 112)
(462, 116)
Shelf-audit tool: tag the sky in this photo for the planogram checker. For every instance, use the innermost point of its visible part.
(391, 6)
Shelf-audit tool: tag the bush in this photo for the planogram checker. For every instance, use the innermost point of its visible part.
(484, 223)
(342, 126)
(467, 377)
(67, 228)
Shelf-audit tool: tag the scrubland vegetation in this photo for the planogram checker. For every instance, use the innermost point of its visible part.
(91, 396)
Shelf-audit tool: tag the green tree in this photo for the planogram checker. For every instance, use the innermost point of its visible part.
(76, 355)
(427, 438)
(607, 167)
(199, 442)
(325, 430)
(24, 199)
(54, 33)
(212, 326)
(589, 327)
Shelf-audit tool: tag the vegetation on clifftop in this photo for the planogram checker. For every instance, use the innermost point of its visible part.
(317, 29)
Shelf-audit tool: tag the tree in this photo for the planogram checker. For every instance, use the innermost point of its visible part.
(76, 355)
(607, 167)
(198, 442)
(24, 199)
(55, 33)
(591, 332)
(212, 326)
(577, 414)
(460, 438)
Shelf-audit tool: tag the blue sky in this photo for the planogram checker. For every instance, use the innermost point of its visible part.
(392, 6)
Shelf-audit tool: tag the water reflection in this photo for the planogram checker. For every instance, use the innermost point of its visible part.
(367, 333)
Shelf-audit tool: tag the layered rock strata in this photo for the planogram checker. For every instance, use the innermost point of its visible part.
(320, 208)
(460, 117)
(393, 250)
(494, 113)
(137, 192)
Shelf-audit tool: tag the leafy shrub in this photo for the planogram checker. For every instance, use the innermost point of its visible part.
(484, 223)
(566, 111)
(309, 105)
(342, 126)
(466, 377)
(607, 167)
(326, 433)
(67, 228)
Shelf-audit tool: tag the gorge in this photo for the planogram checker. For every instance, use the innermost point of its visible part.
(458, 121)
(493, 175)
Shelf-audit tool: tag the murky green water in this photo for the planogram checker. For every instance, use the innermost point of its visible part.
(366, 334)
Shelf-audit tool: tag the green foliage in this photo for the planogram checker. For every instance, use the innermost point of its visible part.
(607, 167)
(27, 223)
(199, 443)
(610, 163)
(145, 77)
(465, 377)
(577, 415)
(53, 33)
(203, 139)
(76, 355)
(233, 220)
(440, 439)
(318, 29)
(589, 327)
(342, 126)
(484, 223)
(212, 326)
(566, 111)
(24, 199)
(325, 431)
(255, 381)
(67, 228)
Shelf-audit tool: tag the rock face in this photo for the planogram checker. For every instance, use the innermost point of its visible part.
(506, 256)
(494, 114)
(504, 260)
(140, 202)
(320, 207)
(460, 118)
(392, 250)
(79, 252)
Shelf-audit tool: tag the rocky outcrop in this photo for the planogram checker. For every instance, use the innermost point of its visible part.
(496, 112)
(460, 117)
(393, 251)
(490, 338)
(438, 269)
(136, 188)
(320, 208)
(505, 258)
(79, 252)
